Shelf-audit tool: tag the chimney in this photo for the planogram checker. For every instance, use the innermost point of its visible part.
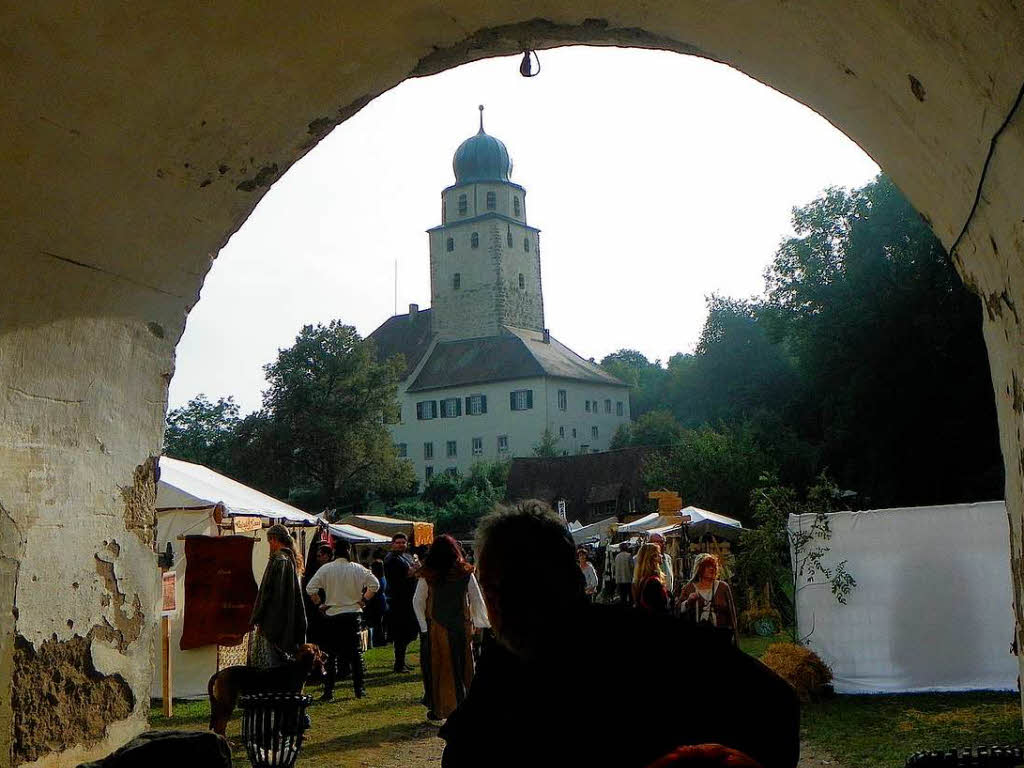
(547, 336)
(413, 309)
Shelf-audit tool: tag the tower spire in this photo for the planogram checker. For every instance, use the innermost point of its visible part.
(481, 108)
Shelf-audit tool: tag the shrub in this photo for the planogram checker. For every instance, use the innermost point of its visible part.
(801, 667)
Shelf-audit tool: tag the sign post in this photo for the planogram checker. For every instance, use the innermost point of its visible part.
(169, 606)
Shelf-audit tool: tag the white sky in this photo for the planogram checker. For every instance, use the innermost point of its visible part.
(656, 179)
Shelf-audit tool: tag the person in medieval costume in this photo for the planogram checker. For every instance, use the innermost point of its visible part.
(400, 572)
(448, 605)
(706, 601)
(279, 615)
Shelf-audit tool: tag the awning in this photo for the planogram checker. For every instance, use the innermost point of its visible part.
(184, 485)
(356, 535)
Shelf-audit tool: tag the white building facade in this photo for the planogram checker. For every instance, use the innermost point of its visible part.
(484, 378)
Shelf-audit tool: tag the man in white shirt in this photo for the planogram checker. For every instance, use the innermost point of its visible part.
(622, 570)
(347, 586)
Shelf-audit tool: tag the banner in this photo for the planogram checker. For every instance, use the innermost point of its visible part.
(220, 590)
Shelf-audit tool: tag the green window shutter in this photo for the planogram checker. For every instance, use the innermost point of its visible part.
(512, 400)
(458, 407)
(483, 403)
(468, 409)
(529, 399)
(419, 410)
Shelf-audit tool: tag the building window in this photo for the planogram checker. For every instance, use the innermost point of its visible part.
(428, 450)
(618, 408)
(426, 409)
(451, 407)
(463, 205)
(515, 205)
(502, 443)
(593, 432)
(522, 281)
(453, 448)
(478, 446)
(474, 240)
(607, 406)
(492, 201)
(584, 448)
(563, 400)
(450, 244)
(595, 406)
(402, 449)
(521, 399)
(476, 405)
(444, 210)
(428, 472)
(574, 433)
(508, 237)
(586, 404)
(456, 281)
(561, 432)
(526, 244)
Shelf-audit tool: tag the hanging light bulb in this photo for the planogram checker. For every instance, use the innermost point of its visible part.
(526, 65)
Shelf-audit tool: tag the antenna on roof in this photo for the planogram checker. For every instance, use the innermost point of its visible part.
(481, 108)
(396, 286)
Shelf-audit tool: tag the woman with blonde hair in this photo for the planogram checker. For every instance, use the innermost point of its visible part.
(649, 591)
(706, 601)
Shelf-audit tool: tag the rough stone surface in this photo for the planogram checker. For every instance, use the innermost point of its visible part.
(136, 140)
(61, 700)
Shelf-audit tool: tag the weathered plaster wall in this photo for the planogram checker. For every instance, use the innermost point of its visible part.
(137, 138)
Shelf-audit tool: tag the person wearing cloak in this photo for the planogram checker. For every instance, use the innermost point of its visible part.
(279, 615)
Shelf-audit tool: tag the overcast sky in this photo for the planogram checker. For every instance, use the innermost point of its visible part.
(656, 179)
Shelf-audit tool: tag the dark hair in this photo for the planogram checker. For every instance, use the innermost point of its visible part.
(342, 549)
(528, 563)
(324, 547)
(445, 560)
(398, 536)
(377, 569)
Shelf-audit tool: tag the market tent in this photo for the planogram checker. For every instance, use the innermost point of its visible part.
(194, 500)
(357, 535)
(933, 605)
(601, 531)
(419, 533)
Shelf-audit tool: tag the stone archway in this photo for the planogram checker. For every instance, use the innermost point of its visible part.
(137, 138)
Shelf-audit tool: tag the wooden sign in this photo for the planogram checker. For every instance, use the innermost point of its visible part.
(169, 583)
(242, 524)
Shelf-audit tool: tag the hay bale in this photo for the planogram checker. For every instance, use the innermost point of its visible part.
(801, 667)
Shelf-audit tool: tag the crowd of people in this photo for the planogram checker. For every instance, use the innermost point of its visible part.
(537, 695)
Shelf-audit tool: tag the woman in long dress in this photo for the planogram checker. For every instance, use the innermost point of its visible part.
(448, 606)
(649, 591)
(279, 615)
(706, 601)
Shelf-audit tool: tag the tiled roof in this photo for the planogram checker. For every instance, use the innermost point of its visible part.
(405, 335)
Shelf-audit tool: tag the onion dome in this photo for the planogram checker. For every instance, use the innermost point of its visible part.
(481, 158)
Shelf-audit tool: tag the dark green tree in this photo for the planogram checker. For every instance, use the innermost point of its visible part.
(202, 432)
(547, 447)
(646, 379)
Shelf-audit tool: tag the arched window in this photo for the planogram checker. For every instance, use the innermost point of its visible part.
(451, 244)
(526, 244)
(474, 240)
(456, 281)
(522, 280)
(508, 237)
(492, 201)
(463, 205)
(515, 205)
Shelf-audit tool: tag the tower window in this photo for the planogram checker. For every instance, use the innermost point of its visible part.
(508, 237)
(515, 205)
(451, 244)
(492, 201)
(474, 240)
(526, 244)
(456, 281)
(522, 280)
(463, 205)
(563, 399)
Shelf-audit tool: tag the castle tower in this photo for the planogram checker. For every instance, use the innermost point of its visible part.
(484, 257)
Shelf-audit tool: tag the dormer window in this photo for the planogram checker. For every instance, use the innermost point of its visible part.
(451, 244)
(463, 205)
(474, 240)
(492, 201)
(522, 281)
(456, 281)
(526, 244)
(515, 205)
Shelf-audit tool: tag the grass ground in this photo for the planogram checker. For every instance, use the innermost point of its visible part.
(388, 728)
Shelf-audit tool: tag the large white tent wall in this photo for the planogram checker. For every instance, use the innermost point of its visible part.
(932, 609)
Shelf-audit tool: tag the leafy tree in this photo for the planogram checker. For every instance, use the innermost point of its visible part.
(654, 428)
(548, 445)
(646, 379)
(328, 400)
(202, 432)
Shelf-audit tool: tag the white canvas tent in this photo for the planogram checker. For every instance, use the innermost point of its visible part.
(665, 524)
(186, 499)
(599, 531)
(932, 609)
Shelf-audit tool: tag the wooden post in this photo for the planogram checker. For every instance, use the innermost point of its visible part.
(165, 634)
